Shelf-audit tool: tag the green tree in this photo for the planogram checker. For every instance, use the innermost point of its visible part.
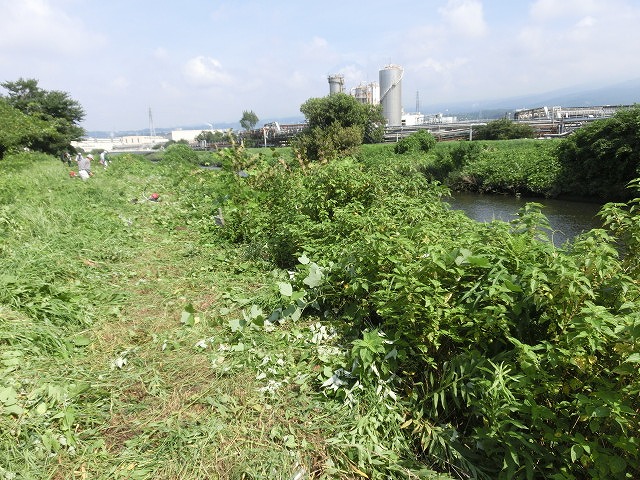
(249, 119)
(601, 158)
(17, 130)
(337, 125)
(345, 111)
(212, 137)
(55, 107)
(503, 129)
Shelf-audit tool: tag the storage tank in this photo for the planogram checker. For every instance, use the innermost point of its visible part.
(391, 94)
(336, 84)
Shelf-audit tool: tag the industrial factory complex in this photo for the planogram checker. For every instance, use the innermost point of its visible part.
(554, 121)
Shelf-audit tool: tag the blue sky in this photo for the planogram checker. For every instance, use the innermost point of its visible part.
(196, 62)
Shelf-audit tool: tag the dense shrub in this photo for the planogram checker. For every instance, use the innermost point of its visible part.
(178, 153)
(509, 166)
(325, 144)
(421, 141)
(602, 157)
(503, 129)
(494, 353)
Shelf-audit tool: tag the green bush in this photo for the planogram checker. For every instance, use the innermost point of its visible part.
(503, 129)
(179, 153)
(325, 144)
(420, 141)
(601, 158)
(528, 167)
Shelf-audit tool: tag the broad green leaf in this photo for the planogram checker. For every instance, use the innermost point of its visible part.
(13, 410)
(314, 278)
(576, 452)
(187, 318)
(303, 259)
(237, 324)
(81, 341)
(285, 289)
(8, 396)
(633, 358)
(478, 261)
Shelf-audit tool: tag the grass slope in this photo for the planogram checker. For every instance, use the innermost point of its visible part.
(116, 355)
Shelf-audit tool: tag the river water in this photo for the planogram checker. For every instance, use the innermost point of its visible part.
(567, 218)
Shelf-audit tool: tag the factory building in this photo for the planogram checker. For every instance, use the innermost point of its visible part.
(388, 92)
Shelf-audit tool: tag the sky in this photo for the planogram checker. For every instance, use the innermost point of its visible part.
(197, 62)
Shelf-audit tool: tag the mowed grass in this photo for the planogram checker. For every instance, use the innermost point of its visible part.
(116, 355)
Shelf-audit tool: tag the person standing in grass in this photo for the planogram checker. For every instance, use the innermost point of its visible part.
(104, 161)
(84, 166)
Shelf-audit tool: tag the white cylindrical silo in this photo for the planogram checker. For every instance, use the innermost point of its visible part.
(336, 84)
(391, 94)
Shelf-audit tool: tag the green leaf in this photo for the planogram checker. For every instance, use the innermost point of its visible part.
(81, 341)
(237, 324)
(13, 410)
(8, 396)
(601, 412)
(290, 441)
(633, 358)
(617, 464)
(314, 279)
(478, 261)
(303, 259)
(187, 318)
(576, 452)
(285, 289)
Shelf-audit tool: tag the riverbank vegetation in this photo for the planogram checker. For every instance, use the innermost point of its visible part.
(595, 162)
(280, 318)
(317, 312)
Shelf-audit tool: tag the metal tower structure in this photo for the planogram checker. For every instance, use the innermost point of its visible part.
(417, 101)
(152, 130)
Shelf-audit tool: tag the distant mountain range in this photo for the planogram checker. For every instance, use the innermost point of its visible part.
(624, 93)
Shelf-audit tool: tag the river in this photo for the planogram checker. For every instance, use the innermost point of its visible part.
(567, 218)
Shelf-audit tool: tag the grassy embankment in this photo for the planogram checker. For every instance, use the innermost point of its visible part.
(116, 356)
(140, 339)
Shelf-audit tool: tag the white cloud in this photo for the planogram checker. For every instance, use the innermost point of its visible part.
(586, 22)
(160, 54)
(352, 75)
(546, 10)
(119, 83)
(442, 68)
(204, 71)
(317, 50)
(465, 17)
(41, 27)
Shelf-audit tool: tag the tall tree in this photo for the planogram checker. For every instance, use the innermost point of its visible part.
(17, 130)
(54, 107)
(249, 119)
(345, 111)
(337, 125)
